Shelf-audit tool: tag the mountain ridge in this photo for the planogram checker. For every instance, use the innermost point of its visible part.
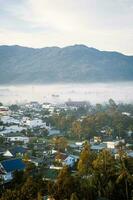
(76, 63)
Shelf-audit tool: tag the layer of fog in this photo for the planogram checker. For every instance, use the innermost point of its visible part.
(59, 93)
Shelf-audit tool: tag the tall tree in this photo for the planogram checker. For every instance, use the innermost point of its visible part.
(64, 185)
(76, 129)
(85, 160)
(124, 175)
(104, 171)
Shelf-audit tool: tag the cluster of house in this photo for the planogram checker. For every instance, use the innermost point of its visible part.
(11, 162)
(14, 157)
(14, 126)
(113, 145)
(15, 122)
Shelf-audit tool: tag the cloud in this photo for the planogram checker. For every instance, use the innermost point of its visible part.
(87, 14)
(99, 23)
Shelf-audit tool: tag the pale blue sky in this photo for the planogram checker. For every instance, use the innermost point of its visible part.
(103, 24)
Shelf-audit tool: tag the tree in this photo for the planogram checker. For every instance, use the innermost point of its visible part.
(124, 175)
(11, 195)
(30, 189)
(89, 126)
(104, 172)
(2, 140)
(30, 169)
(64, 185)
(14, 107)
(119, 128)
(39, 196)
(109, 131)
(74, 196)
(85, 160)
(87, 189)
(98, 107)
(60, 143)
(18, 178)
(26, 157)
(58, 158)
(76, 129)
(112, 104)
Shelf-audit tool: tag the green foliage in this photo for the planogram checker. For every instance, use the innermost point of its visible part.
(14, 107)
(64, 184)
(76, 129)
(80, 125)
(11, 195)
(60, 143)
(99, 176)
(107, 178)
(104, 172)
(2, 140)
(85, 161)
(30, 189)
(74, 196)
(104, 163)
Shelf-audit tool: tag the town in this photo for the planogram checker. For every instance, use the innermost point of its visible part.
(41, 139)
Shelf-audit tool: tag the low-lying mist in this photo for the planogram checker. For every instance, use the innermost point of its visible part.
(59, 93)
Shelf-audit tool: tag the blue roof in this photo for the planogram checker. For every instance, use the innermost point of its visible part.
(12, 165)
(16, 150)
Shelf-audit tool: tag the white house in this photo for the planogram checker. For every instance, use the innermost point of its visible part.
(79, 144)
(12, 129)
(33, 123)
(4, 110)
(126, 113)
(113, 144)
(46, 105)
(18, 139)
(8, 154)
(9, 120)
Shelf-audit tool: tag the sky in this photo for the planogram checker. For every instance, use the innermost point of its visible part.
(102, 24)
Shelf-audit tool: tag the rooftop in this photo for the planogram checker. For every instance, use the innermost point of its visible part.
(12, 165)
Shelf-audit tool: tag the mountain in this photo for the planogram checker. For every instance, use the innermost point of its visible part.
(78, 63)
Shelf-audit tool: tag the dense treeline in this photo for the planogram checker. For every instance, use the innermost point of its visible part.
(98, 176)
(89, 121)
